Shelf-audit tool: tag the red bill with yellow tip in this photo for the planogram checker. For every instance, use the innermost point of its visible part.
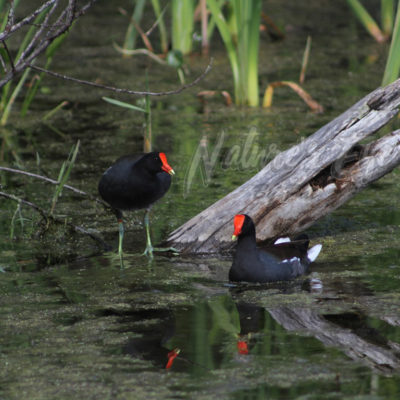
(237, 225)
(165, 166)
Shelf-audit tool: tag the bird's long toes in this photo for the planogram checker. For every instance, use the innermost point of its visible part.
(173, 250)
(148, 251)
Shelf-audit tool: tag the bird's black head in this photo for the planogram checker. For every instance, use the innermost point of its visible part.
(156, 162)
(243, 226)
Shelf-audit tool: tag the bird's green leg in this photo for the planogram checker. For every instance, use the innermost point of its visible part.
(120, 220)
(121, 236)
(149, 248)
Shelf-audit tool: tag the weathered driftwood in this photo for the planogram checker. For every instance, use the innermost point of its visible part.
(297, 187)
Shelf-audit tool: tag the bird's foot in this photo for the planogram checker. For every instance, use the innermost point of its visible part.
(150, 249)
(173, 250)
(121, 259)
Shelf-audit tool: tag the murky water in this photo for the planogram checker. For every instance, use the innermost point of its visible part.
(74, 324)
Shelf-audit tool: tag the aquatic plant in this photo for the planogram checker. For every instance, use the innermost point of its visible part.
(304, 62)
(161, 25)
(387, 16)
(368, 21)
(182, 25)
(8, 97)
(131, 32)
(64, 174)
(46, 31)
(146, 110)
(134, 26)
(34, 86)
(31, 45)
(390, 26)
(392, 68)
(241, 38)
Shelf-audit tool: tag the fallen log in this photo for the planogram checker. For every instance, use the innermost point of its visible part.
(305, 182)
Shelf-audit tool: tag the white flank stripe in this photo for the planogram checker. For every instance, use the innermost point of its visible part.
(282, 240)
(292, 260)
(313, 253)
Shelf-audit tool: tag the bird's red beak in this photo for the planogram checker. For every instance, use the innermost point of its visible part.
(171, 357)
(242, 347)
(238, 225)
(165, 167)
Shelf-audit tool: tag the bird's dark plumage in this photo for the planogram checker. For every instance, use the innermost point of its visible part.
(134, 182)
(251, 264)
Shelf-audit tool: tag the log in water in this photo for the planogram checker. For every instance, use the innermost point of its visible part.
(305, 182)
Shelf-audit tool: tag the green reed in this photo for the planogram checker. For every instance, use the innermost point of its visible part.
(64, 174)
(146, 110)
(11, 91)
(182, 25)
(240, 34)
(392, 68)
(134, 26)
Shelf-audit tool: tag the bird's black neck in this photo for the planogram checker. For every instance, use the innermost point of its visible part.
(140, 166)
(248, 241)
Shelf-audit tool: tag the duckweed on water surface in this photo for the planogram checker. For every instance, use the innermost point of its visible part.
(74, 325)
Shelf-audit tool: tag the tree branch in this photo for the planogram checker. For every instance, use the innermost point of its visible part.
(126, 91)
(46, 33)
(47, 217)
(54, 182)
(8, 32)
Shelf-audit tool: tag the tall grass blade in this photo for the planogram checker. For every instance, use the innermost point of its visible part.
(182, 25)
(392, 68)
(147, 132)
(131, 33)
(50, 114)
(22, 47)
(13, 220)
(6, 101)
(50, 51)
(161, 25)
(204, 27)
(304, 63)
(147, 143)
(249, 56)
(223, 27)
(64, 174)
(365, 18)
(3, 8)
(2, 2)
(240, 33)
(14, 95)
(211, 22)
(387, 16)
(147, 112)
(123, 104)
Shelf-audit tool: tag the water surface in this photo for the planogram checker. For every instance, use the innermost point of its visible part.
(74, 324)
